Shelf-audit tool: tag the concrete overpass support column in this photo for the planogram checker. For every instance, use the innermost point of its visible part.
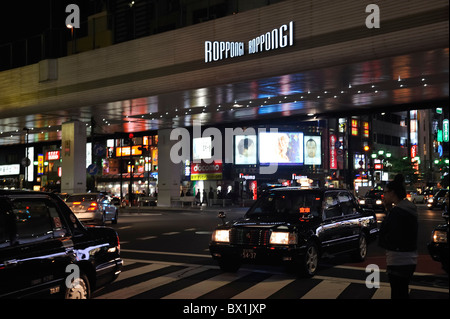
(169, 173)
(73, 144)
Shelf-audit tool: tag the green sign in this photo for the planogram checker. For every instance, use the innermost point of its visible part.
(445, 130)
(439, 136)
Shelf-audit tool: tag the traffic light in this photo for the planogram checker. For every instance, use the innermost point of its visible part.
(130, 139)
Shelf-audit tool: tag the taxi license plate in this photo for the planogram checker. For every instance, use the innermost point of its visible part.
(248, 254)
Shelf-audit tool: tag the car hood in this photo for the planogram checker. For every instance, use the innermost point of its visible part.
(264, 222)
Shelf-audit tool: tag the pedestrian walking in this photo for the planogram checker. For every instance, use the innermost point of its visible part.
(204, 198)
(398, 235)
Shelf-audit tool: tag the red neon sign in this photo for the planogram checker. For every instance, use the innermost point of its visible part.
(52, 155)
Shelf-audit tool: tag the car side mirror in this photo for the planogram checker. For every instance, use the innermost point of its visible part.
(222, 216)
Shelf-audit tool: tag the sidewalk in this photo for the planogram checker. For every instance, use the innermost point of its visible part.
(151, 209)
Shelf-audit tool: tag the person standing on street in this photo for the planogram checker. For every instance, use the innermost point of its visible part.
(398, 235)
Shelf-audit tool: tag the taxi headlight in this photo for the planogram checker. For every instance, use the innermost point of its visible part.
(439, 236)
(430, 200)
(283, 238)
(378, 202)
(362, 201)
(221, 235)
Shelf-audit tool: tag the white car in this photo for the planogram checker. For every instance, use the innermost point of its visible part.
(94, 207)
(416, 197)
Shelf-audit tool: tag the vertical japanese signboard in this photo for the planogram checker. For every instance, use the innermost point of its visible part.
(333, 154)
(40, 168)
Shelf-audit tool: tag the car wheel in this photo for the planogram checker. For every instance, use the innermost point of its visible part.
(309, 262)
(231, 265)
(79, 289)
(361, 251)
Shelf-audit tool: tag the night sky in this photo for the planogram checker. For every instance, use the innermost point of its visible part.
(27, 18)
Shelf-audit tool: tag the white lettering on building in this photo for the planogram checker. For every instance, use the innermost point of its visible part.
(277, 38)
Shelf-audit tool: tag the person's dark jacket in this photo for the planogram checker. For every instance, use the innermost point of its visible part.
(398, 232)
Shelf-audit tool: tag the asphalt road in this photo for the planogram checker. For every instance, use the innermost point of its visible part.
(166, 256)
(189, 230)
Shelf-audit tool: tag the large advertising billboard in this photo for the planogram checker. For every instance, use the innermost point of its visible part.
(281, 148)
(312, 150)
(245, 150)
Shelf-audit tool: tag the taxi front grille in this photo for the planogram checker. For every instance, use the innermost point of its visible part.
(253, 237)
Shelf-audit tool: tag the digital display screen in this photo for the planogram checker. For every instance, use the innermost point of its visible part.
(312, 149)
(281, 147)
(245, 149)
(202, 148)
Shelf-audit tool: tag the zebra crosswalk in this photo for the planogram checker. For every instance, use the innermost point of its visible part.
(147, 279)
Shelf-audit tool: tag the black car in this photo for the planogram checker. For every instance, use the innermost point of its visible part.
(46, 251)
(438, 199)
(438, 246)
(297, 226)
(373, 199)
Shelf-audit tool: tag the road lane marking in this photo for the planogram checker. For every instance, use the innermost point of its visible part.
(383, 292)
(205, 286)
(329, 287)
(266, 288)
(346, 280)
(146, 238)
(203, 232)
(140, 270)
(326, 289)
(164, 253)
(137, 289)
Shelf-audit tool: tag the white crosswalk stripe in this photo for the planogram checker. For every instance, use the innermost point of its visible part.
(134, 290)
(174, 280)
(265, 288)
(201, 288)
(327, 289)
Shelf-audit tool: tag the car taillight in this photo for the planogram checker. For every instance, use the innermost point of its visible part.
(76, 203)
(118, 244)
(93, 206)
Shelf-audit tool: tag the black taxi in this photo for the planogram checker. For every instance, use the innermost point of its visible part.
(297, 226)
(438, 246)
(46, 251)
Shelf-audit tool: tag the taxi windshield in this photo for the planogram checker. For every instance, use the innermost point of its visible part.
(287, 203)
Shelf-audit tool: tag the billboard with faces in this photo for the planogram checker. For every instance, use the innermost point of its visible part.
(312, 149)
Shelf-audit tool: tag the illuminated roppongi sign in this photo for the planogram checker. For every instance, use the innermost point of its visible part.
(277, 38)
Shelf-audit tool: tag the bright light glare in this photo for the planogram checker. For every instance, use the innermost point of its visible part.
(222, 236)
(439, 236)
(282, 238)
